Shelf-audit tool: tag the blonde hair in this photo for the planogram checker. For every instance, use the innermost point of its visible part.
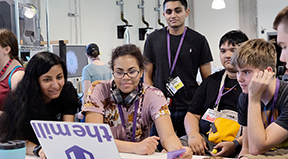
(257, 53)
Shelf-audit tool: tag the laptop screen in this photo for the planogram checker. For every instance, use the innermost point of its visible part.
(75, 140)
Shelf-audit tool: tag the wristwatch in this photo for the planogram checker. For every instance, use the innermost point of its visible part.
(238, 147)
(36, 150)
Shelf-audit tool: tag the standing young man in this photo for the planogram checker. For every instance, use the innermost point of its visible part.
(175, 54)
(263, 106)
(208, 95)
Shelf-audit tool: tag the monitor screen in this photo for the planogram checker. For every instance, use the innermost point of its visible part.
(75, 59)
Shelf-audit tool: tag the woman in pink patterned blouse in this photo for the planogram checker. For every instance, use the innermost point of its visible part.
(130, 107)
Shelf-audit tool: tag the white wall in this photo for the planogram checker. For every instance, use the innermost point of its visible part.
(99, 20)
(215, 23)
(267, 11)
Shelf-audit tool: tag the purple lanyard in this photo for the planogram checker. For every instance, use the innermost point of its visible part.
(178, 50)
(220, 92)
(274, 102)
(134, 119)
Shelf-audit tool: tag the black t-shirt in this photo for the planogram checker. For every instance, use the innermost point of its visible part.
(66, 104)
(206, 96)
(194, 52)
(281, 108)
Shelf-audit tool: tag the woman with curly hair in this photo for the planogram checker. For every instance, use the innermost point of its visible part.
(130, 107)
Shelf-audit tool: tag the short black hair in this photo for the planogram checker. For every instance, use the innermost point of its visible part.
(183, 2)
(234, 37)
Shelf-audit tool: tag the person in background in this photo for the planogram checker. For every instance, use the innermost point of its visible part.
(262, 105)
(281, 25)
(175, 54)
(12, 70)
(206, 97)
(42, 94)
(130, 106)
(96, 70)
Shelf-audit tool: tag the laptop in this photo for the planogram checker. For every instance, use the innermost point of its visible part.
(73, 140)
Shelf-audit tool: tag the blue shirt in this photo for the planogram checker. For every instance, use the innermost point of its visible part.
(93, 72)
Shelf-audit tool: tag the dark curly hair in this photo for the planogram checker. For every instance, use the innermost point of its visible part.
(128, 49)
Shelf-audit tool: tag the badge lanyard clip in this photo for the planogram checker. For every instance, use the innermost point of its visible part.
(220, 94)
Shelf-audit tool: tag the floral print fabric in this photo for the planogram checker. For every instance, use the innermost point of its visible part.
(152, 104)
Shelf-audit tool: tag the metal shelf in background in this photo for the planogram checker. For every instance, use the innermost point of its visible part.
(28, 48)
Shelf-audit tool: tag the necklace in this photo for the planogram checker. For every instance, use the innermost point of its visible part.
(5, 67)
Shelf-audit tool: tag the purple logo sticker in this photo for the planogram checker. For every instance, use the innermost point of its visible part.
(78, 152)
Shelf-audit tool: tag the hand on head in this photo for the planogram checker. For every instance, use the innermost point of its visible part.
(260, 82)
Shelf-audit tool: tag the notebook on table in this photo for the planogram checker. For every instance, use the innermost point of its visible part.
(73, 140)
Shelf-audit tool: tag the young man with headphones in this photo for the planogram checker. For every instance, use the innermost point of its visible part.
(130, 107)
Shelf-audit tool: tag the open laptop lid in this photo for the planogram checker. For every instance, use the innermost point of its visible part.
(72, 140)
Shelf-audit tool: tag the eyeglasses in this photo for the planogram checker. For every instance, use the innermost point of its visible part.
(131, 74)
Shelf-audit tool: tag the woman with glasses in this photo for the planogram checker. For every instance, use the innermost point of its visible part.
(130, 107)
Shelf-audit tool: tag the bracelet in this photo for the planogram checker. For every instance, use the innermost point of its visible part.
(36, 150)
(238, 147)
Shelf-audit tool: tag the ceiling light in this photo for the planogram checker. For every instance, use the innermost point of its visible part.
(218, 4)
(29, 10)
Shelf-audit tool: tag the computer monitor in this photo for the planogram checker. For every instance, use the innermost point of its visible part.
(7, 15)
(75, 58)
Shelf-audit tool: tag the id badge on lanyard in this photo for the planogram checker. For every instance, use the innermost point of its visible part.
(173, 83)
(209, 115)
